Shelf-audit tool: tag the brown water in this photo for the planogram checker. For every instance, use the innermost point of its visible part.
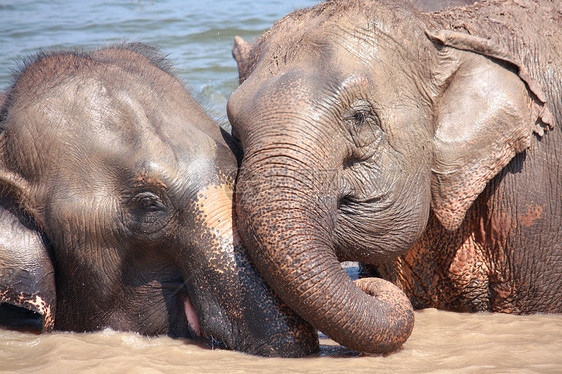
(442, 342)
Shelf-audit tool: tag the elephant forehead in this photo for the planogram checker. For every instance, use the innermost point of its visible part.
(151, 128)
(104, 125)
(163, 174)
(359, 42)
(64, 117)
(345, 52)
(361, 29)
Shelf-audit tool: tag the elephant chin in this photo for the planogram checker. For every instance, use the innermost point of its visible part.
(192, 318)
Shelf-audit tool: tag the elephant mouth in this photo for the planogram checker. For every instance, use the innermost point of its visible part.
(192, 318)
(198, 319)
(180, 294)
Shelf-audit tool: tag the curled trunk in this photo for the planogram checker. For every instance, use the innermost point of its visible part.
(284, 217)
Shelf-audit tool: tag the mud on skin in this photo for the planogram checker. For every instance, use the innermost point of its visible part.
(356, 147)
(116, 208)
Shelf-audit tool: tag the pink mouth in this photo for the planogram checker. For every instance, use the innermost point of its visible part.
(192, 318)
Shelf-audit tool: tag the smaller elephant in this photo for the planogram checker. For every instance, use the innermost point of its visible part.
(116, 208)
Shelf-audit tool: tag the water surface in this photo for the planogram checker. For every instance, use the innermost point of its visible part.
(197, 36)
(442, 342)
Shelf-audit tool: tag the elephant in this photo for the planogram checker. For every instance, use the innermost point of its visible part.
(371, 129)
(116, 208)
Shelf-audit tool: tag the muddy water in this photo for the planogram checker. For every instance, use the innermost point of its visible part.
(197, 35)
(442, 342)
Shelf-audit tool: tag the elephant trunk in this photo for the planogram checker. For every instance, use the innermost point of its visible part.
(285, 217)
(257, 322)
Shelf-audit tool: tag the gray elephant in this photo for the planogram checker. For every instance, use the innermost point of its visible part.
(116, 208)
(370, 128)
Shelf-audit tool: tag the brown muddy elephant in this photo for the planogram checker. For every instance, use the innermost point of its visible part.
(116, 208)
(370, 129)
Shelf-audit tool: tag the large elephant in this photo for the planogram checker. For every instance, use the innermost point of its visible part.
(369, 128)
(116, 208)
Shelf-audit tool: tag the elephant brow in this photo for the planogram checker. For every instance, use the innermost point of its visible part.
(144, 179)
(352, 81)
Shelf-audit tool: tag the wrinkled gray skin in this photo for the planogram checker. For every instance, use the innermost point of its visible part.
(434, 5)
(116, 208)
(362, 121)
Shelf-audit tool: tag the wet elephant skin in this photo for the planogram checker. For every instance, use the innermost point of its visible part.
(117, 208)
(371, 129)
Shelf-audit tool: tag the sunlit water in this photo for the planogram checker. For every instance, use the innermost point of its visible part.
(197, 36)
(442, 342)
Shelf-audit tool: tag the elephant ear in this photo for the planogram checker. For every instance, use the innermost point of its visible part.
(247, 56)
(241, 53)
(27, 281)
(487, 107)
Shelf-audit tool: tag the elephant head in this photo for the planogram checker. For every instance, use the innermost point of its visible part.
(117, 208)
(355, 120)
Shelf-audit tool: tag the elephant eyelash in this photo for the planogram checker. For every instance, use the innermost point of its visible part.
(362, 113)
(360, 117)
(148, 201)
(364, 119)
(357, 118)
(151, 205)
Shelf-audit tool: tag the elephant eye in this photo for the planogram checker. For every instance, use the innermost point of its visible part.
(147, 214)
(360, 117)
(364, 126)
(361, 113)
(150, 204)
(148, 201)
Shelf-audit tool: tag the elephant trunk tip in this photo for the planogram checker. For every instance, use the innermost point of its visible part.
(399, 315)
(287, 347)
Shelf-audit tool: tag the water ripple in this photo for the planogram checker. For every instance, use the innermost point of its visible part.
(197, 35)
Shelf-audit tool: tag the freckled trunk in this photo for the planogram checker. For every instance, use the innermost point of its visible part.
(285, 218)
(259, 322)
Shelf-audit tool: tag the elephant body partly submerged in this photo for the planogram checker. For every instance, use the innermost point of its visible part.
(116, 208)
(370, 129)
(506, 255)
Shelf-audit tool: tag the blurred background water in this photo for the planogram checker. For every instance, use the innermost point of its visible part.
(196, 35)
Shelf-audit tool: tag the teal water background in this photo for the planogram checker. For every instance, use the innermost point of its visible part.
(196, 35)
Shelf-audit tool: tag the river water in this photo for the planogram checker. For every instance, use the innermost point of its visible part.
(197, 36)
